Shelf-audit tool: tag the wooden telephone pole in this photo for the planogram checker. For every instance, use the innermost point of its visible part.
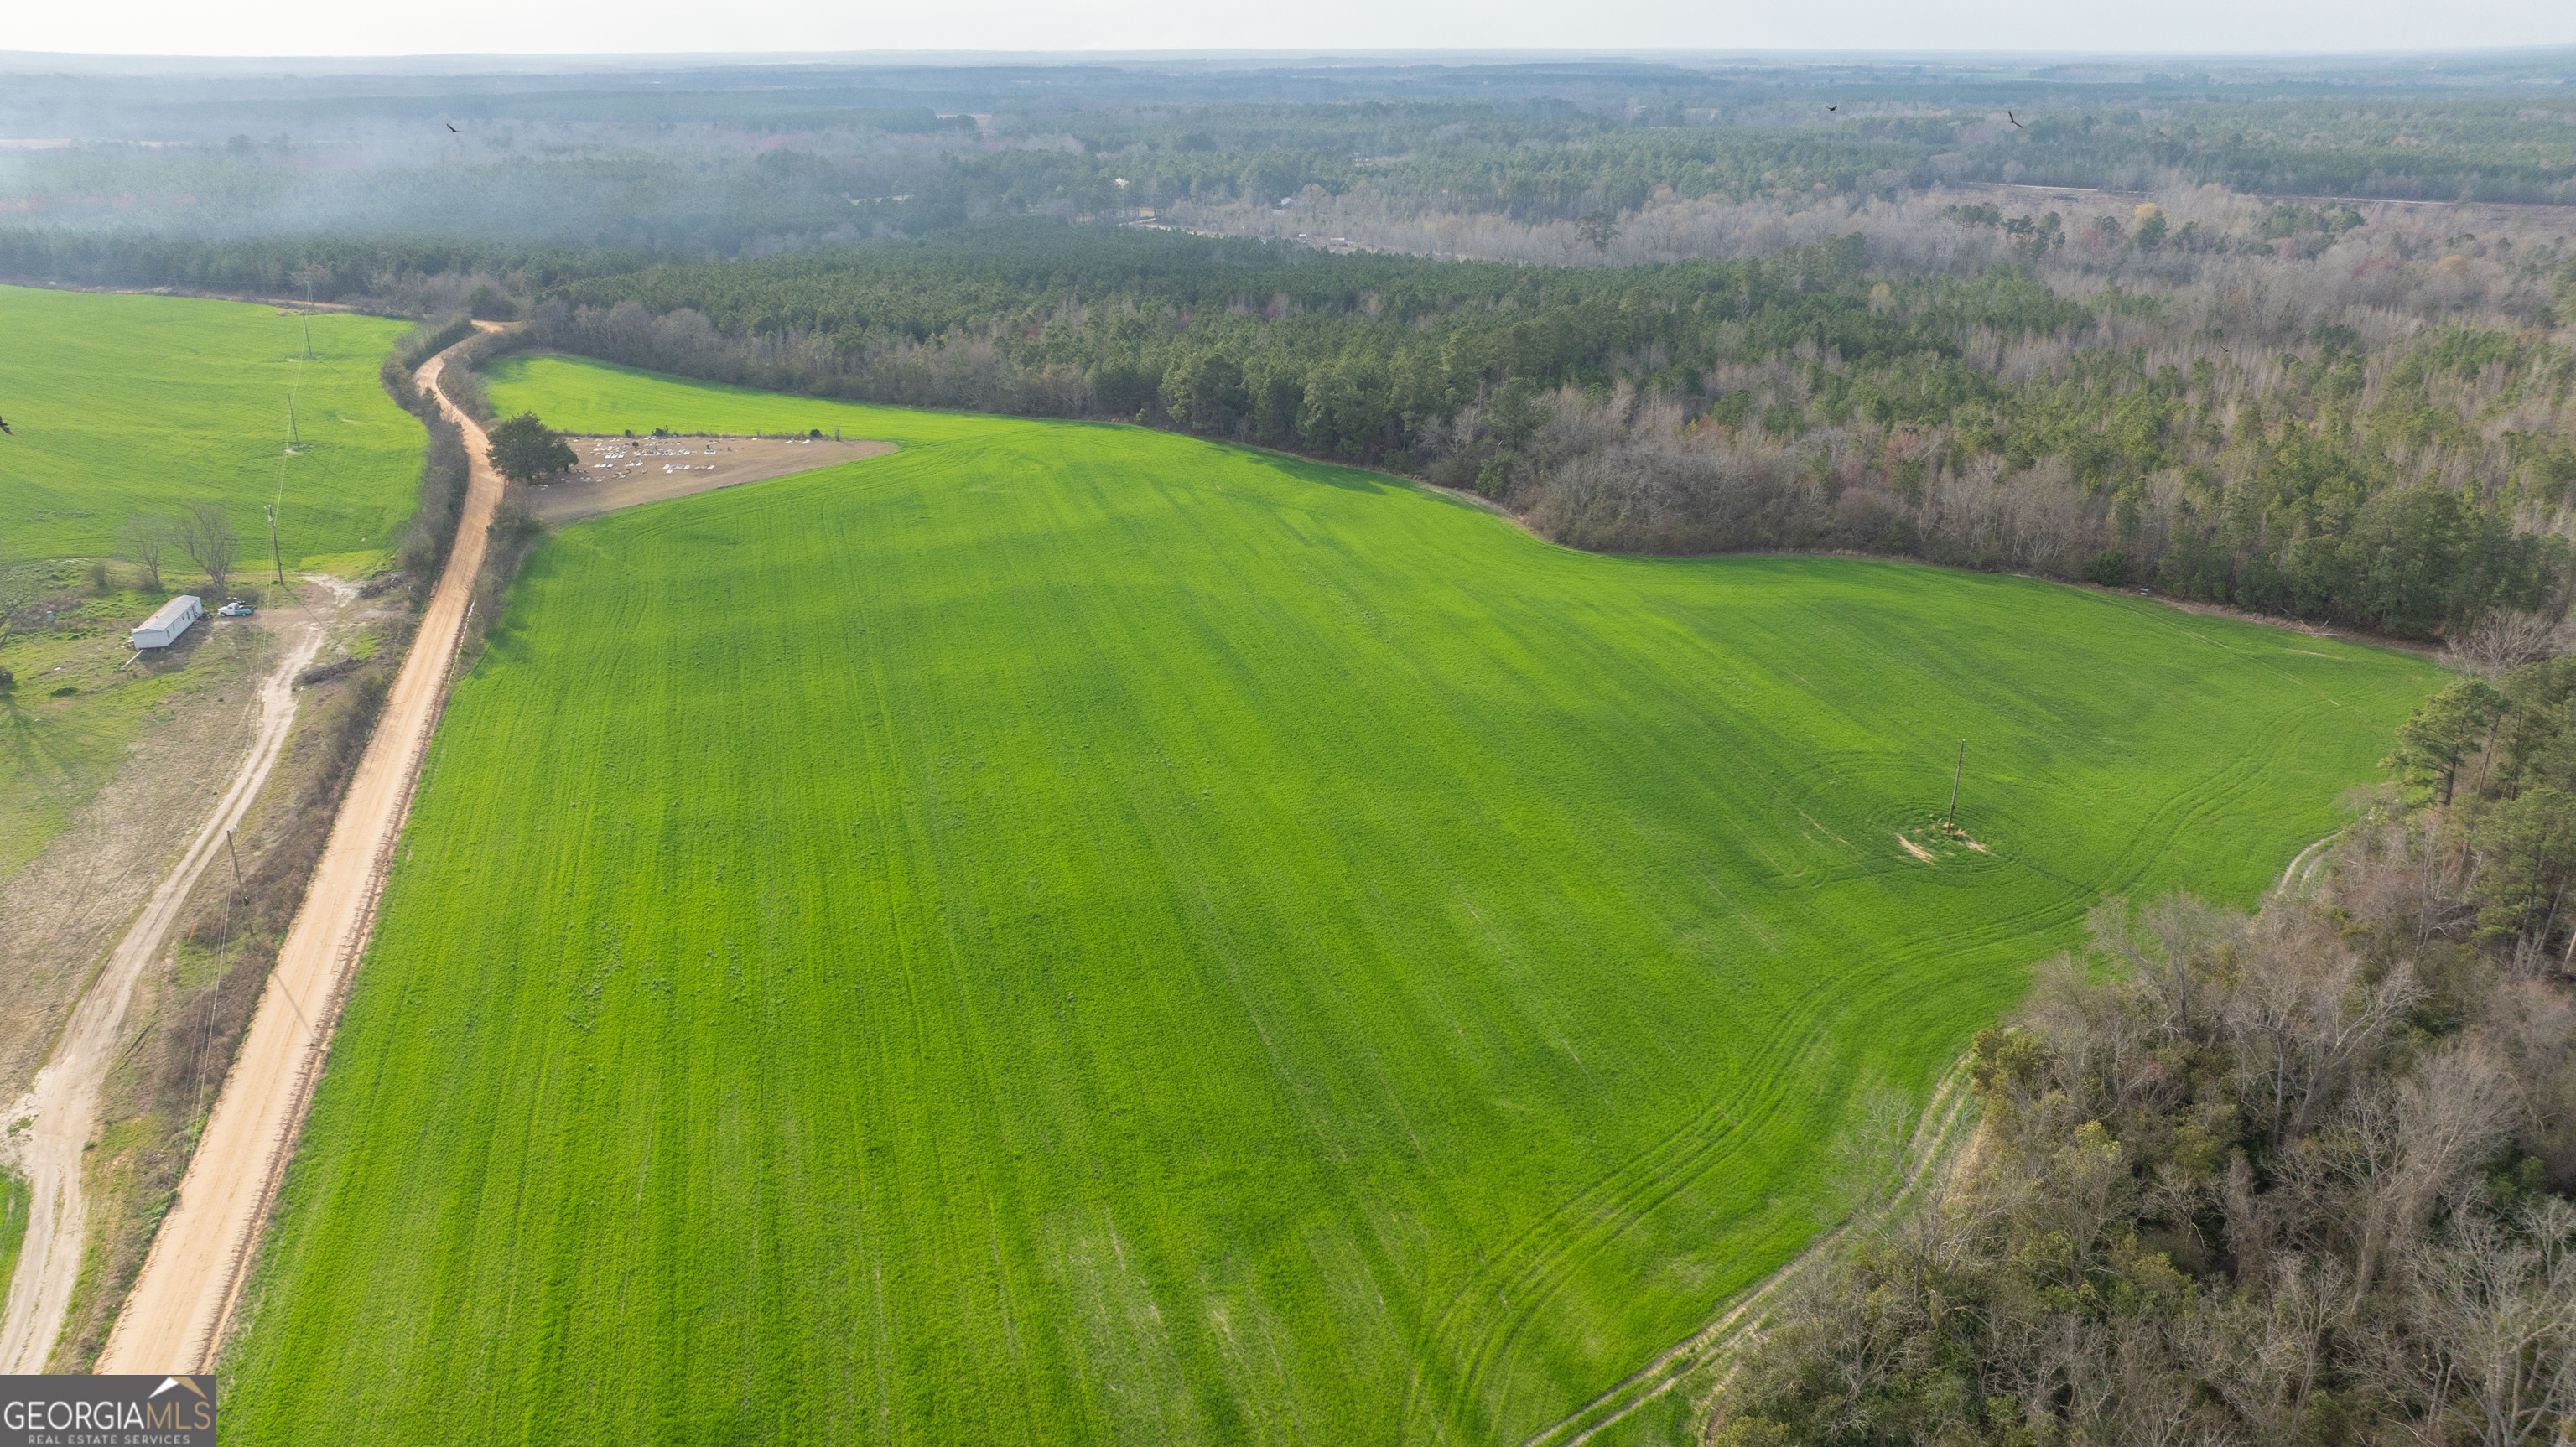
(1955, 770)
(274, 560)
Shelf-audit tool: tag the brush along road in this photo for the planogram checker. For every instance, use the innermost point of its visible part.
(175, 1317)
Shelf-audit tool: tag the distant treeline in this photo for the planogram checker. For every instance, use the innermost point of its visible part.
(2288, 409)
(386, 274)
(696, 173)
(1790, 402)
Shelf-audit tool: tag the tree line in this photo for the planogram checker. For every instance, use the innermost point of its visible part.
(2221, 434)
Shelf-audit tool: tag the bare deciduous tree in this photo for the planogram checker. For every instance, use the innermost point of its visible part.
(206, 535)
(2498, 1317)
(143, 541)
(2504, 639)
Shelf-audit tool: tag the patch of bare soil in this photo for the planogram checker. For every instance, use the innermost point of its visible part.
(65, 906)
(1917, 850)
(624, 472)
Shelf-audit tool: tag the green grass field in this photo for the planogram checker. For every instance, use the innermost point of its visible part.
(15, 1198)
(1070, 934)
(131, 404)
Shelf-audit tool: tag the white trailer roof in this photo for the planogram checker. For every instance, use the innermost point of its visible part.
(174, 611)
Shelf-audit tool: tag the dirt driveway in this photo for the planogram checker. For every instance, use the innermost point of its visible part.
(622, 472)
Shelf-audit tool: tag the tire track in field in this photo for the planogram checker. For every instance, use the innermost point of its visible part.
(2164, 826)
(1503, 1336)
(1675, 1161)
(1618, 1198)
(1935, 1139)
(1632, 1190)
(1689, 1150)
(174, 1319)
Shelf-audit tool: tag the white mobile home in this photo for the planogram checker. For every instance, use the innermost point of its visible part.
(164, 627)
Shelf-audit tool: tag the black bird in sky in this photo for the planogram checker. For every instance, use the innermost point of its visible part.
(2017, 125)
(1833, 108)
(451, 125)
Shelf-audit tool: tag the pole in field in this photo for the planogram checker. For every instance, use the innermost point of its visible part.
(1955, 770)
(274, 560)
(236, 853)
(293, 439)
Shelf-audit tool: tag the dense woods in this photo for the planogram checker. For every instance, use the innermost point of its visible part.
(2302, 1176)
(2291, 410)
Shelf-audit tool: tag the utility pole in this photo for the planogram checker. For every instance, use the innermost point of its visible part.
(308, 336)
(274, 560)
(1955, 770)
(293, 438)
(236, 852)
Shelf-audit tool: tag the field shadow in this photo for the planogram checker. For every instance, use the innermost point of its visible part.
(1329, 474)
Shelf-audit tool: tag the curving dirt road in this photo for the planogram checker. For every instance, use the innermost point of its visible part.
(63, 1105)
(175, 1317)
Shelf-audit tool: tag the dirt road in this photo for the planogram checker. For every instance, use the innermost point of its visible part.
(175, 1317)
(63, 1105)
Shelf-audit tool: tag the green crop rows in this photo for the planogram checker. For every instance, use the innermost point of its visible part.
(1071, 934)
(146, 404)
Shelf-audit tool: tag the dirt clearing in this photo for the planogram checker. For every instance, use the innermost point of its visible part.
(623, 472)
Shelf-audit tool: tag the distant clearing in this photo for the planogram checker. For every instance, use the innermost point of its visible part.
(623, 472)
(1072, 934)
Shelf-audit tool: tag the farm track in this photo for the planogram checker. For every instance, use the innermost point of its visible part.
(174, 1320)
(64, 1101)
(1935, 1139)
(1544, 1258)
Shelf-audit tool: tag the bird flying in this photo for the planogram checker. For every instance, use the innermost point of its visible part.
(2017, 125)
(451, 125)
(4, 427)
(1833, 108)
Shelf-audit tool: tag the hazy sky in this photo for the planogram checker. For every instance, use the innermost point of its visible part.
(341, 27)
